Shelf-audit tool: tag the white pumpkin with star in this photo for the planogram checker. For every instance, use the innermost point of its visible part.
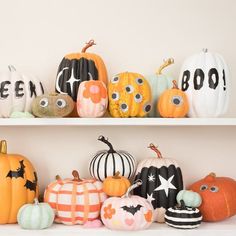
(162, 180)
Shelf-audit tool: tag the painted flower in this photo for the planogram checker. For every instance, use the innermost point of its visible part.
(95, 90)
(109, 212)
(148, 216)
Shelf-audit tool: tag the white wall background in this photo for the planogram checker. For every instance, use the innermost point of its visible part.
(134, 35)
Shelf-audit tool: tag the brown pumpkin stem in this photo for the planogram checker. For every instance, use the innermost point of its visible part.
(166, 63)
(11, 68)
(182, 205)
(88, 45)
(155, 149)
(175, 85)
(212, 174)
(3, 147)
(117, 175)
(104, 140)
(75, 174)
(58, 177)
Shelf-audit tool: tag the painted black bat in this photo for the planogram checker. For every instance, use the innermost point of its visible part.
(32, 185)
(132, 209)
(19, 173)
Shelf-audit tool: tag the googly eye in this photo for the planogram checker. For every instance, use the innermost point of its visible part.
(43, 102)
(115, 96)
(124, 107)
(138, 98)
(203, 187)
(115, 80)
(147, 108)
(61, 103)
(177, 100)
(139, 81)
(214, 189)
(129, 89)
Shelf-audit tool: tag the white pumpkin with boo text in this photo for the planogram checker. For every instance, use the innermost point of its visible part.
(205, 79)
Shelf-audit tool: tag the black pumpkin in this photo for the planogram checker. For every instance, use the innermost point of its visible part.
(77, 67)
(183, 217)
(162, 180)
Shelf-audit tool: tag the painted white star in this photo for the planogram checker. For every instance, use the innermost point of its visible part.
(151, 178)
(165, 185)
(72, 79)
(150, 198)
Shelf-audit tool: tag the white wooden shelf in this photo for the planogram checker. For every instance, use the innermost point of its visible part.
(117, 121)
(224, 228)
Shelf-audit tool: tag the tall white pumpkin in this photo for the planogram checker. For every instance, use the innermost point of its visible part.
(205, 79)
(17, 91)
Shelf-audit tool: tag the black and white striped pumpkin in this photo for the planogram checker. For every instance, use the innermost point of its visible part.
(107, 162)
(183, 217)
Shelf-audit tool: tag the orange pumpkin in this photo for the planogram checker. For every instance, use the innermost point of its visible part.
(173, 103)
(18, 184)
(116, 186)
(218, 197)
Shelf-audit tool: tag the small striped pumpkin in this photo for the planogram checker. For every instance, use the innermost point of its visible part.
(183, 217)
(107, 162)
(75, 201)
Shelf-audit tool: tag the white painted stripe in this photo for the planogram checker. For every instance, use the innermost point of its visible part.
(184, 226)
(183, 211)
(183, 219)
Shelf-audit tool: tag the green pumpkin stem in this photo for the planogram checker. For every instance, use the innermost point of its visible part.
(155, 149)
(88, 45)
(75, 174)
(3, 147)
(182, 205)
(104, 140)
(166, 63)
(175, 85)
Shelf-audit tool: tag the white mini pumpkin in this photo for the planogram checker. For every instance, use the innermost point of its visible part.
(204, 78)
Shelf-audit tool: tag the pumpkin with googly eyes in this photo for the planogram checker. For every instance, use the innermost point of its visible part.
(52, 105)
(129, 95)
(173, 103)
(218, 197)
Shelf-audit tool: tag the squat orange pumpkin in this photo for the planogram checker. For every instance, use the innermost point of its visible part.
(173, 103)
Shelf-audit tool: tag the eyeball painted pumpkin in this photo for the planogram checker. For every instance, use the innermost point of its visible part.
(173, 103)
(127, 212)
(18, 184)
(92, 99)
(190, 198)
(129, 95)
(218, 197)
(205, 79)
(116, 186)
(17, 91)
(35, 216)
(159, 82)
(52, 105)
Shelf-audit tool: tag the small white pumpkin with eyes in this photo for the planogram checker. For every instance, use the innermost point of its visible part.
(52, 105)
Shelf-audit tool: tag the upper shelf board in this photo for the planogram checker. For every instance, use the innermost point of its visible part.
(117, 121)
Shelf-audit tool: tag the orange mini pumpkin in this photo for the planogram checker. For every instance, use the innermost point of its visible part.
(116, 186)
(218, 197)
(18, 184)
(173, 103)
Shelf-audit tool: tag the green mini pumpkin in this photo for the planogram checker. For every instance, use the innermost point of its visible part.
(35, 216)
(191, 199)
(52, 105)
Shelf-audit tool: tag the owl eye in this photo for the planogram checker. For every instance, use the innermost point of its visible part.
(147, 108)
(124, 107)
(214, 189)
(177, 100)
(115, 80)
(138, 98)
(115, 96)
(139, 81)
(43, 102)
(203, 187)
(129, 89)
(61, 103)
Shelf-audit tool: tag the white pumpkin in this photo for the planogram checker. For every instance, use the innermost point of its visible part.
(17, 91)
(205, 79)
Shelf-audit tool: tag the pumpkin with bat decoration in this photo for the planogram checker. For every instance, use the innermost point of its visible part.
(18, 184)
(127, 212)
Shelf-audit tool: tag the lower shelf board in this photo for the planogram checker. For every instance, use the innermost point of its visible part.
(224, 228)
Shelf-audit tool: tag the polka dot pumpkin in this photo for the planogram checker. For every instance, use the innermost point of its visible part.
(129, 95)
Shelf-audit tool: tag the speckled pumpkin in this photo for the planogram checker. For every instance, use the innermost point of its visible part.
(52, 105)
(129, 95)
(173, 103)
